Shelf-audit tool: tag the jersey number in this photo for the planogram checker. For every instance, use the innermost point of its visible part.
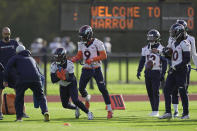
(87, 54)
(175, 55)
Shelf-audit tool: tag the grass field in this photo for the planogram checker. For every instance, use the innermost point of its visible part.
(114, 85)
(135, 117)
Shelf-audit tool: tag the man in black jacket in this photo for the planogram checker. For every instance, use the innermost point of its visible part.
(28, 77)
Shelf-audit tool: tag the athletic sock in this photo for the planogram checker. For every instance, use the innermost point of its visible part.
(109, 107)
(175, 107)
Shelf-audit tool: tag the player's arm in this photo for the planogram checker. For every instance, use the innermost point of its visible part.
(78, 57)
(11, 64)
(193, 51)
(54, 77)
(164, 66)
(71, 76)
(141, 64)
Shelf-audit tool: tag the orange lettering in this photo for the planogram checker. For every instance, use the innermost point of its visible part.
(190, 24)
(136, 12)
(94, 23)
(129, 12)
(101, 11)
(114, 23)
(190, 12)
(122, 24)
(115, 8)
(107, 23)
(122, 11)
(106, 12)
(130, 23)
(94, 11)
(150, 11)
(101, 24)
(157, 12)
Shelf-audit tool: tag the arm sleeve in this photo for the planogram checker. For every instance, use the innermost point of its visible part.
(10, 65)
(102, 56)
(141, 64)
(164, 65)
(54, 78)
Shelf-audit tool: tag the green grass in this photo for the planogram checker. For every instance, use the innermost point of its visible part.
(135, 117)
(114, 85)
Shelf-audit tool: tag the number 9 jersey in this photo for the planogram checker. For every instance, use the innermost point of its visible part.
(91, 51)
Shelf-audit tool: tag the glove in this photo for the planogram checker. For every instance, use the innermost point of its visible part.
(138, 75)
(171, 70)
(89, 61)
(61, 74)
(73, 59)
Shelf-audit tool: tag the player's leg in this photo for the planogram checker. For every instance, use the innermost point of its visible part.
(19, 101)
(175, 102)
(102, 88)
(84, 79)
(64, 96)
(36, 87)
(1, 95)
(149, 89)
(169, 87)
(1, 103)
(74, 96)
(181, 84)
(155, 88)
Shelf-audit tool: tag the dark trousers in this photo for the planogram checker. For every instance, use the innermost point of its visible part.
(175, 96)
(71, 91)
(152, 80)
(98, 76)
(176, 81)
(38, 92)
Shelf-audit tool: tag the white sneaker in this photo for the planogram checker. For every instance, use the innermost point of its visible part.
(77, 113)
(166, 116)
(90, 116)
(154, 114)
(88, 97)
(46, 117)
(176, 114)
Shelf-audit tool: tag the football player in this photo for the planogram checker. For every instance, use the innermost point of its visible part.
(191, 40)
(155, 69)
(177, 74)
(92, 52)
(62, 71)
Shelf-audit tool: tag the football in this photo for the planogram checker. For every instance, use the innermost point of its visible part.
(168, 52)
(149, 65)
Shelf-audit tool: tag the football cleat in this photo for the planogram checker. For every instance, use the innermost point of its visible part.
(1, 116)
(109, 114)
(90, 116)
(77, 113)
(185, 116)
(25, 115)
(166, 116)
(154, 114)
(18, 120)
(176, 114)
(46, 117)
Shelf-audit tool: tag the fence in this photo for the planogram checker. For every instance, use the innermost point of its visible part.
(118, 68)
